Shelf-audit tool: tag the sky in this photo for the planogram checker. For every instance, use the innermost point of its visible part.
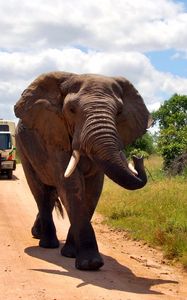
(144, 41)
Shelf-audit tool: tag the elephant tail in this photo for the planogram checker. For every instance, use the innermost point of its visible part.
(59, 208)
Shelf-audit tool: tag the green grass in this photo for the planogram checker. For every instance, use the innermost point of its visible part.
(157, 213)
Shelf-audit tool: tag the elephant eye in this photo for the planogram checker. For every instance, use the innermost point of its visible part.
(72, 107)
(70, 103)
(119, 109)
(72, 110)
(119, 112)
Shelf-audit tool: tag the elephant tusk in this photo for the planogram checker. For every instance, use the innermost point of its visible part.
(72, 163)
(130, 166)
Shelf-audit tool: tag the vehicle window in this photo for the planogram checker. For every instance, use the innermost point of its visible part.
(5, 141)
(4, 127)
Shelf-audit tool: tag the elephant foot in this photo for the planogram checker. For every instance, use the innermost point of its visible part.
(36, 232)
(36, 229)
(49, 243)
(68, 250)
(89, 261)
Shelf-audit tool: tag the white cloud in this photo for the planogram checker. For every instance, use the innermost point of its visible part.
(101, 25)
(18, 69)
(89, 36)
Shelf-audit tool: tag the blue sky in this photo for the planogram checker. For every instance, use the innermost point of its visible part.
(144, 41)
(169, 61)
(184, 2)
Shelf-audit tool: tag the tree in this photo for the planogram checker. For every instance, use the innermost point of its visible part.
(142, 146)
(172, 120)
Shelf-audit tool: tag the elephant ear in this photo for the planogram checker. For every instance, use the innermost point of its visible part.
(40, 108)
(135, 117)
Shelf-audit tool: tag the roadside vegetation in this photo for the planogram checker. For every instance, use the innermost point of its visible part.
(171, 118)
(156, 214)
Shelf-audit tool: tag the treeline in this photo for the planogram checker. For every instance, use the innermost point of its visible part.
(170, 141)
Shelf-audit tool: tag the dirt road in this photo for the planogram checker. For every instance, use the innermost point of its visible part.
(131, 271)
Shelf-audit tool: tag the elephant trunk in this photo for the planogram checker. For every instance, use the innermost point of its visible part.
(101, 142)
(118, 171)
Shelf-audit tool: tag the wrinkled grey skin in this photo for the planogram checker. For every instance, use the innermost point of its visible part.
(96, 115)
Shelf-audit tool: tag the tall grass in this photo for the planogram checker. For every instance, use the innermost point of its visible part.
(157, 213)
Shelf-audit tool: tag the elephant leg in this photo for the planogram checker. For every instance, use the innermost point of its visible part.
(81, 242)
(69, 248)
(36, 229)
(45, 197)
(92, 194)
(88, 256)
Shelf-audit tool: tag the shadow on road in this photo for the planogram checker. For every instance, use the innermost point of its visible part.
(113, 276)
(4, 178)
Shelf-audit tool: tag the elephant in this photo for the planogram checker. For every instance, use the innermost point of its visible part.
(72, 131)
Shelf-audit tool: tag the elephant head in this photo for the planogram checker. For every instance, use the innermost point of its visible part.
(88, 115)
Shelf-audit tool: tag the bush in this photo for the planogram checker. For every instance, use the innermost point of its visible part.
(172, 120)
(143, 146)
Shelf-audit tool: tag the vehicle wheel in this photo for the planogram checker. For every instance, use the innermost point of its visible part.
(9, 174)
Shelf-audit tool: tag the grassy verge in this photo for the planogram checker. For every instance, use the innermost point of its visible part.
(156, 214)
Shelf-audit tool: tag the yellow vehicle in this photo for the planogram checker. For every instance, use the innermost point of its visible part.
(7, 148)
